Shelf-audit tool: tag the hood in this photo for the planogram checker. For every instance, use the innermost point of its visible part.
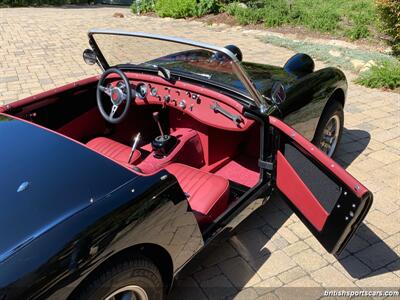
(46, 178)
(264, 76)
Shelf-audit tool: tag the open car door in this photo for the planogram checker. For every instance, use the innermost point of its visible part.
(329, 201)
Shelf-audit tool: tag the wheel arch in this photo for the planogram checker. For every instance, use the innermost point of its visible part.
(156, 253)
(339, 96)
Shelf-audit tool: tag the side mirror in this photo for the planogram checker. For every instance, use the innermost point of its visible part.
(89, 57)
(278, 94)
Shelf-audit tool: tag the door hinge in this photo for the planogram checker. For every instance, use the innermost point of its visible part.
(269, 166)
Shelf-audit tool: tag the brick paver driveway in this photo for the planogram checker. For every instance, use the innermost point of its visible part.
(41, 49)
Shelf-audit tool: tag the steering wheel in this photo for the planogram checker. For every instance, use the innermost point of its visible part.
(119, 95)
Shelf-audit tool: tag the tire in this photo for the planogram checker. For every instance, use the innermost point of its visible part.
(332, 113)
(137, 275)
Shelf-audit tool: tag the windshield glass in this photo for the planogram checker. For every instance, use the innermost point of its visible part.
(184, 57)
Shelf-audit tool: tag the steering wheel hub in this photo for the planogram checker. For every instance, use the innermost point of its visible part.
(119, 96)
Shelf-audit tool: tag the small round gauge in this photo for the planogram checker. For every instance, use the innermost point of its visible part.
(141, 90)
(153, 91)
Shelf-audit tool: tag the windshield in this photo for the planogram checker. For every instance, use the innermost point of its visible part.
(179, 56)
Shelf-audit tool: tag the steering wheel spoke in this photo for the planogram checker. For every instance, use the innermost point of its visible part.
(119, 96)
(105, 90)
(113, 110)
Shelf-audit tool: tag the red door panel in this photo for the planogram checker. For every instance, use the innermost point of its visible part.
(329, 201)
(298, 193)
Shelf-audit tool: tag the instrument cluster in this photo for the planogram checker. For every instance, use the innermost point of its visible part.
(202, 107)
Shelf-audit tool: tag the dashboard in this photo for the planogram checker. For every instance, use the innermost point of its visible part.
(205, 105)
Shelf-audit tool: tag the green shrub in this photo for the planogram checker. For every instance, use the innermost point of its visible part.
(276, 13)
(176, 8)
(243, 14)
(384, 75)
(204, 7)
(350, 18)
(143, 6)
(389, 16)
(40, 2)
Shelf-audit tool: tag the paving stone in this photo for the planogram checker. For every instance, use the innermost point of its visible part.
(309, 260)
(305, 281)
(218, 253)
(330, 277)
(267, 285)
(300, 230)
(383, 222)
(238, 271)
(252, 244)
(377, 256)
(295, 248)
(380, 278)
(292, 274)
(185, 289)
(356, 244)
(246, 294)
(352, 267)
(207, 273)
(218, 287)
(277, 263)
(269, 296)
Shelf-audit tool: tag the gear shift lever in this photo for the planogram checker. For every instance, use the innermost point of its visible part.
(156, 117)
(163, 144)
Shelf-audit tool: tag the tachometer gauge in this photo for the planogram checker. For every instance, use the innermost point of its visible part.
(141, 90)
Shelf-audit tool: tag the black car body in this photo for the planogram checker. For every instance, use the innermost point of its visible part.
(69, 212)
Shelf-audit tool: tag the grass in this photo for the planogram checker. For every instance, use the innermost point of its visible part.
(354, 19)
(386, 74)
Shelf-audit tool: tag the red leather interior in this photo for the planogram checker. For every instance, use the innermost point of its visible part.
(113, 150)
(208, 194)
(242, 169)
(85, 126)
(188, 151)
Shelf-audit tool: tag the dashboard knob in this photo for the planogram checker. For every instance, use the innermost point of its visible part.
(182, 104)
(167, 98)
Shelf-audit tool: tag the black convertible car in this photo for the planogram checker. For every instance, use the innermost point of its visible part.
(111, 184)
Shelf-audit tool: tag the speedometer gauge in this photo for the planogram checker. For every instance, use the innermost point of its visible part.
(141, 90)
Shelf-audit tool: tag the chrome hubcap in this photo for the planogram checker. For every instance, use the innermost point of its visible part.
(330, 135)
(130, 292)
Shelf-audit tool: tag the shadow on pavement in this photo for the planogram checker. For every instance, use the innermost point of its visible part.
(369, 255)
(353, 143)
(234, 261)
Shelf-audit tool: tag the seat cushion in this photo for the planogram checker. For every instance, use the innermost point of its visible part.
(208, 194)
(113, 150)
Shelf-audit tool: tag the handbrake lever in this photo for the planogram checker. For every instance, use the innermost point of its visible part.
(134, 146)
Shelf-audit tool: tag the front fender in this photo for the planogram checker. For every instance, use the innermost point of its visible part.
(307, 98)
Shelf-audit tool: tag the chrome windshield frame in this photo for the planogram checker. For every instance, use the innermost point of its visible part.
(238, 69)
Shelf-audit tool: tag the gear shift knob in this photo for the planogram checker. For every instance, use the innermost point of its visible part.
(156, 117)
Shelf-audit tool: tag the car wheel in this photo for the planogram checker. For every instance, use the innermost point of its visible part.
(137, 278)
(330, 128)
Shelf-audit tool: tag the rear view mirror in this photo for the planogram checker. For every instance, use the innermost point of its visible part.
(89, 57)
